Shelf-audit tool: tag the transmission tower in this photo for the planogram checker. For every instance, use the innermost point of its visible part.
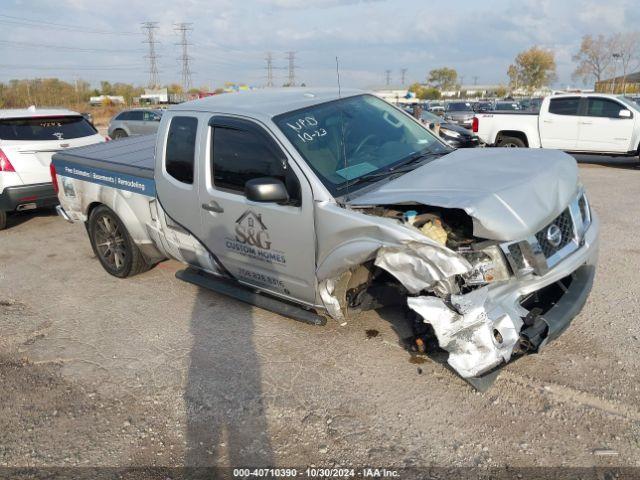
(388, 77)
(291, 58)
(183, 29)
(403, 74)
(150, 30)
(269, 67)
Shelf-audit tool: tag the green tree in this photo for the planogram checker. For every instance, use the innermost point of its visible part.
(443, 78)
(533, 69)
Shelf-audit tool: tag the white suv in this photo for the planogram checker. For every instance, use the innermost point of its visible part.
(28, 138)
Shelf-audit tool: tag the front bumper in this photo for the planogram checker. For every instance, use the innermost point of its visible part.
(28, 197)
(484, 329)
(465, 142)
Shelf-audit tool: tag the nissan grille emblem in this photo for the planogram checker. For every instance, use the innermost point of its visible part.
(554, 235)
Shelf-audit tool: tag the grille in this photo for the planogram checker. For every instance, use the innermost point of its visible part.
(565, 224)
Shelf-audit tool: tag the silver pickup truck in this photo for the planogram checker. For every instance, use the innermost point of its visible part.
(316, 204)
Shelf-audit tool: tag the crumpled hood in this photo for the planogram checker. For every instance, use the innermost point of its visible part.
(510, 193)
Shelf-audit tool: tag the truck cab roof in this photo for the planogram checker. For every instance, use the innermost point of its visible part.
(266, 103)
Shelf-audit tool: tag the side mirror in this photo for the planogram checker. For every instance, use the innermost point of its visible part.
(624, 113)
(266, 190)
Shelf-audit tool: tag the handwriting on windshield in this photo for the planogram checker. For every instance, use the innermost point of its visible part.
(307, 129)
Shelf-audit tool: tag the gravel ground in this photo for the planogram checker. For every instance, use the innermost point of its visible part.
(97, 371)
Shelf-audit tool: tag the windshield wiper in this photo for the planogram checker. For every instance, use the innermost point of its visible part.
(396, 169)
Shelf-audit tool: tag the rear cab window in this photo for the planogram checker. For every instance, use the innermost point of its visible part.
(564, 106)
(181, 148)
(46, 128)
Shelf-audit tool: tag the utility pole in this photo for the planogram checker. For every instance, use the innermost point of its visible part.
(475, 80)
(152, 56)
(403, 74)
(291, 58)
(388, 77)
(183, 29)
(269, 67)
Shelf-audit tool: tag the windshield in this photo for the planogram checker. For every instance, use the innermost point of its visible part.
(430, 117)
(459, 107)
(345, 140)
(45, 128)
(630, 102)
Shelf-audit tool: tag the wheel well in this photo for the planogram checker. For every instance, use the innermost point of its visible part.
(512, 133)
(91, 208)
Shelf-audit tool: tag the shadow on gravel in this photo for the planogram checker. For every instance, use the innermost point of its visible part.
(623, 163)
(226, 424)
(18, 218)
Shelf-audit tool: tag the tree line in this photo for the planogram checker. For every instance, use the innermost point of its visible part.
(598, 58)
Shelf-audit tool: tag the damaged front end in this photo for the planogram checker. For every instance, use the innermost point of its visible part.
(486, 301)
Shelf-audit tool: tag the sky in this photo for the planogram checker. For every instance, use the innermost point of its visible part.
(74, 39)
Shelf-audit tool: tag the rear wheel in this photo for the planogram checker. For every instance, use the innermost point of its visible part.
(119, 134)
(3, 219)
(113, 245)
(511, 142)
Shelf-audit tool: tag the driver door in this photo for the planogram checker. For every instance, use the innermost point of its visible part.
(268, 245)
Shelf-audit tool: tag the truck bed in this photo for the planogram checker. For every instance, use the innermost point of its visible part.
(131, 156)
(126, 164)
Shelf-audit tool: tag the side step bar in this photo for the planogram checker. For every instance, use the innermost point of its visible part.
(244, 294)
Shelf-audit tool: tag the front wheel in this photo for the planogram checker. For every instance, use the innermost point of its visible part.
(511, 142)
(113, 245)
(119, 134)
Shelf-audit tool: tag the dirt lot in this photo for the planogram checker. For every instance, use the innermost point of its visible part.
(152, 371)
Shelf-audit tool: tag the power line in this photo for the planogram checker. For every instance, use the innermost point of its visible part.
(183, 29)
(152, 56)
(62, 47)
(80, 67)
(291, 58)
(269, 68)
(25, 22)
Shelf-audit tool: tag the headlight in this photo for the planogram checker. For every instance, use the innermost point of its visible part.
(449, 133)
(489, 265)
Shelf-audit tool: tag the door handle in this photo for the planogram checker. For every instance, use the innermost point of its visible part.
(212, 206)
(547, 121)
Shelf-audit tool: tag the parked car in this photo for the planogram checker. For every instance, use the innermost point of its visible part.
(531, 104)
(437, 109)
(28, 138)
(506, 106)
(483, 106)
(459, 112)
(591, 123)
(302, 201)
(138, 121)
(454, 135)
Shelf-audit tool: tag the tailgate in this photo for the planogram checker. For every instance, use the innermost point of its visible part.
(31, 159)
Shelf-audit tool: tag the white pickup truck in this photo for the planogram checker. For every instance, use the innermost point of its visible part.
(313, 203)
(590, 123)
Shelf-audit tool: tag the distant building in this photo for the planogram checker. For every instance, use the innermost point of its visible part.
(106, 99)
(396, 95)
(628, 84)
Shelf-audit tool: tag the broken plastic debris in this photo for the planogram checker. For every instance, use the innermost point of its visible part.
(468, 333)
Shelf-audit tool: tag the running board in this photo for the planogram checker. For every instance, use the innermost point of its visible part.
(244, 294)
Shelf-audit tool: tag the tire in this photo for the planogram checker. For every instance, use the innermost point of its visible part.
(113, 245)
(511, 142)
(3, 219)
(119, 133)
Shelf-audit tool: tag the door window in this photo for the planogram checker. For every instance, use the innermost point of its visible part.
(151, 116)
(564, 106)
(181, 147)
(603, 107)
(135, 115)
(241, 155)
